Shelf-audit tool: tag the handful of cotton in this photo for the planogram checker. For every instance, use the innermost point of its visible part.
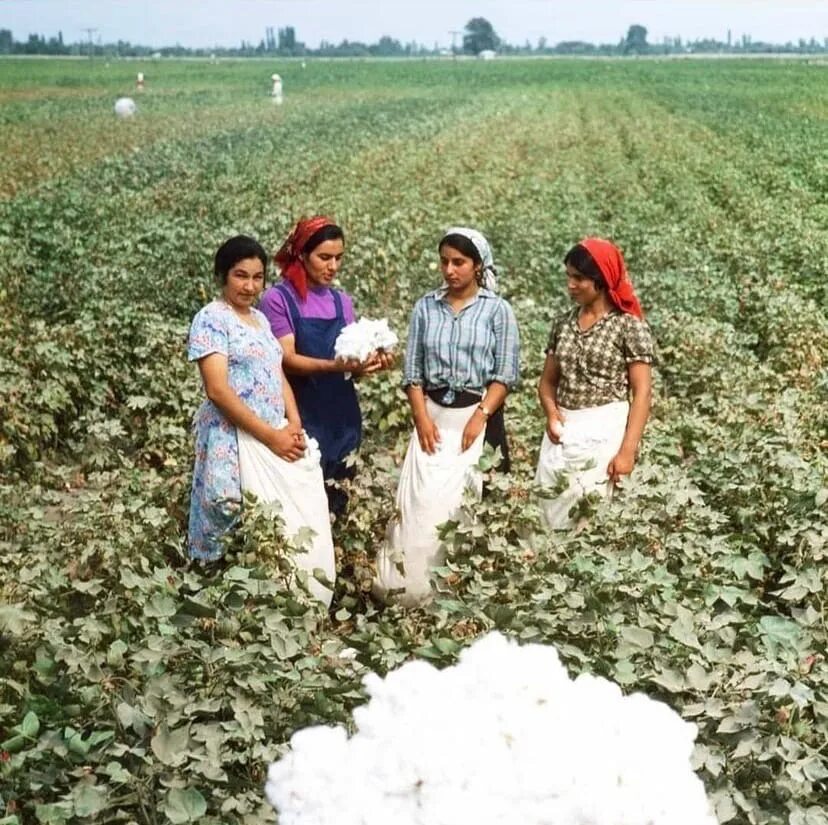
(358, 340)
(503, 736)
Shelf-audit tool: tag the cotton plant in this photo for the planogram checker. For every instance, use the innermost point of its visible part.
(357, 341)
(503, 736)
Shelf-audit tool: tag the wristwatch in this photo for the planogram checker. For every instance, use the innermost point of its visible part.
(484, 410)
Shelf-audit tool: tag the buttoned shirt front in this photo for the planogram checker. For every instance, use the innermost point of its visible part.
(464, 350)
(594, 362)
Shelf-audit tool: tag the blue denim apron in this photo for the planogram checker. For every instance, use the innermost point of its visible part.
(327, 403)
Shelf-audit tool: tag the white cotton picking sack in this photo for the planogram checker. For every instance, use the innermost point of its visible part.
(430, 492)
(299, 491)
(590, 438)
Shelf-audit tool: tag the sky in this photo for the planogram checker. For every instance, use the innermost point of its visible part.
(208, 23)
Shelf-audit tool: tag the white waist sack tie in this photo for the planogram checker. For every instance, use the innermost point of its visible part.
(430, 492)
(299, 491)
(590, 437)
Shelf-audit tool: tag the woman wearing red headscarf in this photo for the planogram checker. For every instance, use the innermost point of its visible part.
(307, 314)
(596, 382)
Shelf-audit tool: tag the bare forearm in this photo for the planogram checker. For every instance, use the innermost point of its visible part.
(637, 420)
(416, 400)
(305, 365)
(239, 414)
(291, 408)
(495, 396)
(548, 386)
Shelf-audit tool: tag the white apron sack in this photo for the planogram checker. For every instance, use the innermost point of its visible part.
(590, 437)
(299, 490)
(430, 492)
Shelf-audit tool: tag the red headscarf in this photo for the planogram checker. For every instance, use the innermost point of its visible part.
(610, 261)
(287, 258)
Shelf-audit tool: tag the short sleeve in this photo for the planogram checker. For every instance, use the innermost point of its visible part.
(208, 334)
(275, 309)
(554, 333)
(347, 307)
(638, 341)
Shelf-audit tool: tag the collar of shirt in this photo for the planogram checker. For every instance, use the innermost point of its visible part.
(573, 321)
(440, 294)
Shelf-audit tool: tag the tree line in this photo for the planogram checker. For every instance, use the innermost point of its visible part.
(478, 36)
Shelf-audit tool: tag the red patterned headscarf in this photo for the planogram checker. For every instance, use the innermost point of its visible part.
(287, 258)
(610, 261)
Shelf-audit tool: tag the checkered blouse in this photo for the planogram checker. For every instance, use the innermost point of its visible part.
(594, 362)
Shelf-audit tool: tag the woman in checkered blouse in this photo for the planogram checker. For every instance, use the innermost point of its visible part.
(596, 382)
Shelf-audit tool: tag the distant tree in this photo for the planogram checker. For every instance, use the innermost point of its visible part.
(6, 41)
(479, 36)
(636, 42)
(287, 39)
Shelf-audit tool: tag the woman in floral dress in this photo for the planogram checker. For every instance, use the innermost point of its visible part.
(241, 368)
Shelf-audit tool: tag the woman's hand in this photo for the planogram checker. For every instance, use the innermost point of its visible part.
(474, 426)
(295, 429)
(621, 465)
(386, 359)
(286, 443)
(427, 433)
(554, 421)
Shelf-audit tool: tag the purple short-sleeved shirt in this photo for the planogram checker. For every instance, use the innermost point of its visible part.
(319, 304)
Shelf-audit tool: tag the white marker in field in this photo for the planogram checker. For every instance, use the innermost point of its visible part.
(125, 107)
(276, 94)
(139, 82)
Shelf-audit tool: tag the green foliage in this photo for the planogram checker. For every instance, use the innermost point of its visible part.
(138, 687)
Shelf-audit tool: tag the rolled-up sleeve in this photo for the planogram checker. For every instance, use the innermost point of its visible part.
(507, 346)
(414, 367)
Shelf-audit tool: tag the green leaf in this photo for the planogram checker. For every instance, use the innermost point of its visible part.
(184, 805)
(171, 746)
(89, 799)
(160, 606)
(638, 636)
(30, 725)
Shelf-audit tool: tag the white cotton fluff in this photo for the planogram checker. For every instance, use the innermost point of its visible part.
(503, 736)
(125, 107)
(358, 340)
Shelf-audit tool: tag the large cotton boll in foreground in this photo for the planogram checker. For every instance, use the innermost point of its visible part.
(125, 107)
(503, 736)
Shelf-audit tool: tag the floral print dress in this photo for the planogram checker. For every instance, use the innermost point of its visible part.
(254, 360)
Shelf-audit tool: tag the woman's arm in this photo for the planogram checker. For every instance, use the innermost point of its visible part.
(213, 370)
(427, 432)
(640, 377)
(495, 396)
(548, 395)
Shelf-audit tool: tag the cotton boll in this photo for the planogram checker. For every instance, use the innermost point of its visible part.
(125, 107)
(359, 340)
(503, 736)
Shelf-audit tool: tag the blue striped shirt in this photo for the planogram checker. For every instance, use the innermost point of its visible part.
(463, 351)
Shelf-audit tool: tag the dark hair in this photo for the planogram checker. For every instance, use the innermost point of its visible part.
(236, 249)
(462, 244)
(579, 258)
(331, 232)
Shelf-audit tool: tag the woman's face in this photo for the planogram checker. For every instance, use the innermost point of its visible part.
(322, 263)
(245, 281)
(459, 271)
(581, 289)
